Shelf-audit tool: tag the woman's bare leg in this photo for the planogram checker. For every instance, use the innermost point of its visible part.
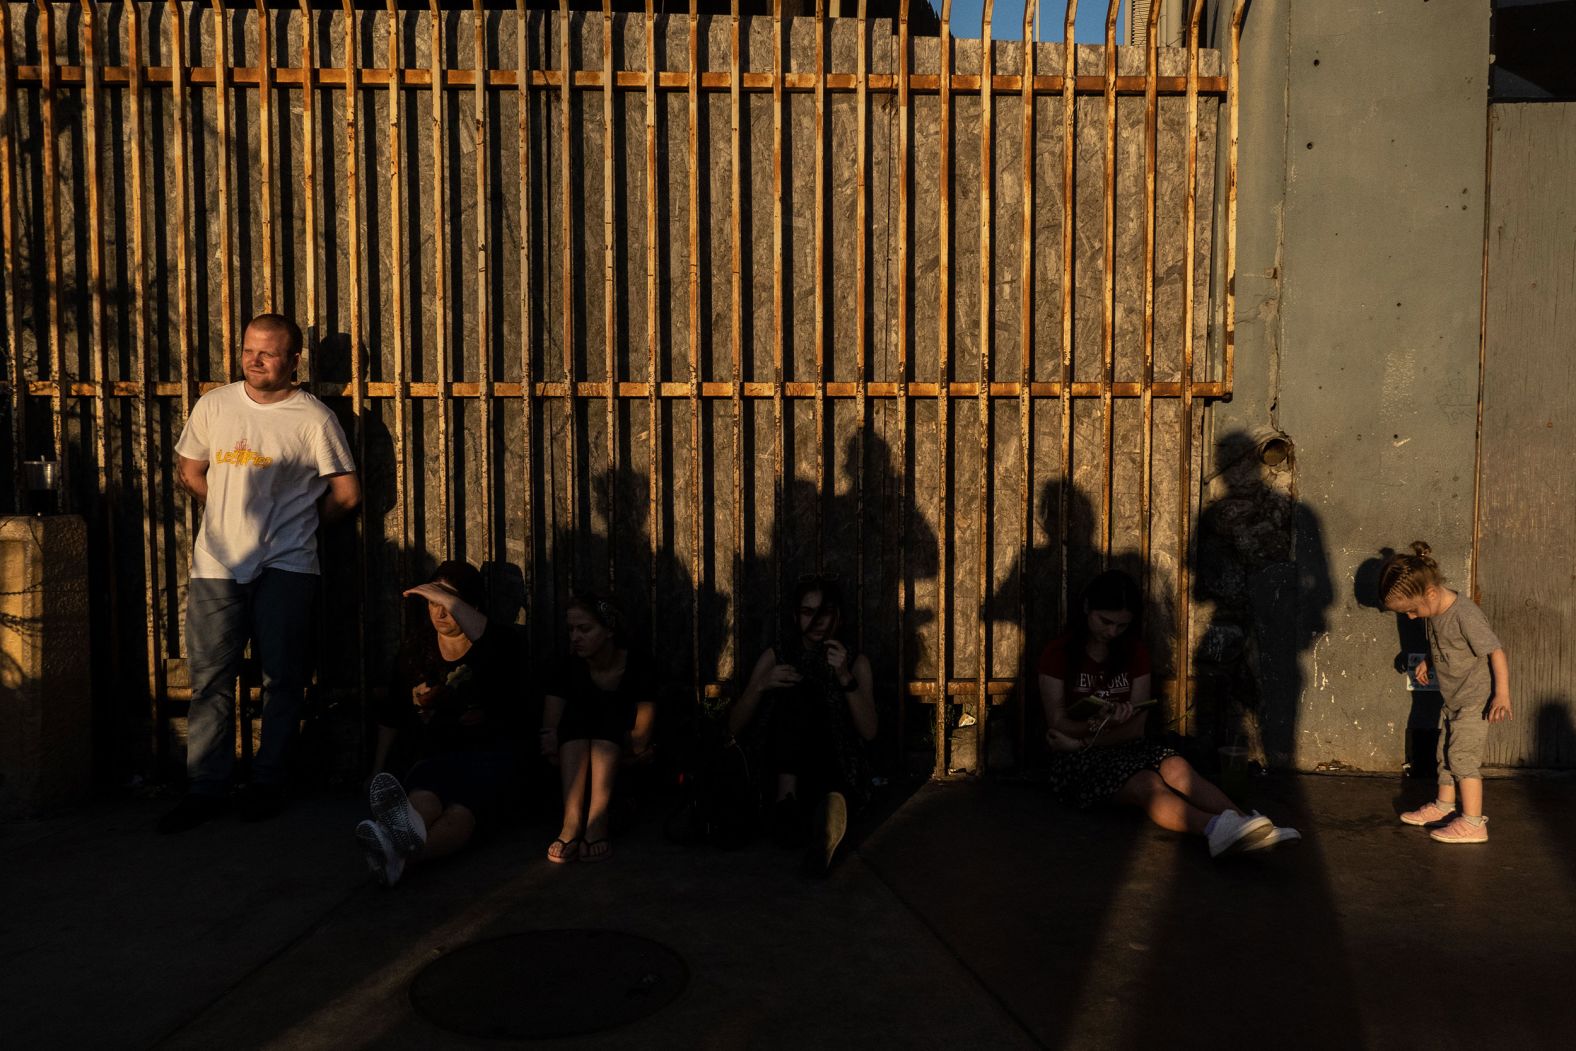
(574, 761)
(1149, 793)
(1180, 777)
(604, 768)
(447, 831)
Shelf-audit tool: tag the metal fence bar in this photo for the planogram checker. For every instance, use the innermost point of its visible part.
(395, 169)
(609, 293)
(265, 138)
(861, 300)
(221, 81)
(819, 284)
(943, 376)
(777, 305)
(484, 348)
(1026, 339)
(144, 453)
(696, 500)
(1239, 11)
(653, 343)
(51, 248)
(13, 332)
(1151, 148)
(736, 330)
(308, 365)
(1069, 145)
(527, 478)
(440, 271)
(95, 304)
(358, 365)
(1108, 293)
(1182, 705)
(568, 290)
(183, 330)
(982, 632)
(904, 116)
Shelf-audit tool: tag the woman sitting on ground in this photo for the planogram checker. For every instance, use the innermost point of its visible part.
(1095, 687)
(811, 704)
(458, 703)
(600, 706)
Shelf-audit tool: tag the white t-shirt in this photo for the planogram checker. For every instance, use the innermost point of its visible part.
(267, 466)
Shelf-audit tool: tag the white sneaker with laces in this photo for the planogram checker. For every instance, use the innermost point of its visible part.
(1278, 837)
(393, 811)
(1233, 833)
(386, 863)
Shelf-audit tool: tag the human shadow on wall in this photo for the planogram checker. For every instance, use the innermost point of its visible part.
(1049, 596)
(1262, 568)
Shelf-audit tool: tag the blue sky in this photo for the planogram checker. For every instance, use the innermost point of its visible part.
(1006, 20)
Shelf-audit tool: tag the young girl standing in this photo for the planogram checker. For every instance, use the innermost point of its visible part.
(1467, 661)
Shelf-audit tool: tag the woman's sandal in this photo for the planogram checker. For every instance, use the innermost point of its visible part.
(596, 850)
(569, 850)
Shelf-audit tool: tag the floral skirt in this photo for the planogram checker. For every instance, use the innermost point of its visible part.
(1094, 775)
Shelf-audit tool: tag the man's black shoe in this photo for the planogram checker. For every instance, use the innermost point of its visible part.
(190, 812)
(261, 802)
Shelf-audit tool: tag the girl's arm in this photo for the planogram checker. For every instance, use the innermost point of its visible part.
(862, 700)
(640, 734)
(762, 678)
(471, 620)
(1132, 727)
(1499, 704)
(1053, 698)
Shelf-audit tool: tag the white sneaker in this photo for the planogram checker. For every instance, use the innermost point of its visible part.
(1278, 837)
(393, 811)
(1232, 833)
(386, 863)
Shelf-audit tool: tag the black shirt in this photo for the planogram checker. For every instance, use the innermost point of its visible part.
(478, 701)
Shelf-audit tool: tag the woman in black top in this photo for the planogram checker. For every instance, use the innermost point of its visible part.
(811, 703)
(456, 706)
(599, 701)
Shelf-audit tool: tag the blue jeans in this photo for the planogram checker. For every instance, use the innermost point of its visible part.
(274, 612)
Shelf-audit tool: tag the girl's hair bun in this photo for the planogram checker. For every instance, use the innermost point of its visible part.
(1421, 549)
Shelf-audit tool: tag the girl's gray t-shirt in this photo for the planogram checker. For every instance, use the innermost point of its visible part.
(1460, 640)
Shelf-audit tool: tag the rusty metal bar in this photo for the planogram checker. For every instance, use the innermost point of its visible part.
(395, 171)
(1108, 293)
(221, 81)
(694, 341)
(309, 178)
(1182, 704)
(528, 442)
(8, 253)
(1026, 339)
(440, 270)
(982, 631)
(736, 333)
(819, 284)
(484, 371)
(265, 137)
(1069, 148)
(52, 242)
(568, 290)
(1151, 153)
(632, 80)
(183, 283)
(943, 371)
(144, 455)
(653, 344)
(358, 365)
(777, 305)
(609, 294)
(903, 161)
(1233, 108)
(95, 199)
(861, 306)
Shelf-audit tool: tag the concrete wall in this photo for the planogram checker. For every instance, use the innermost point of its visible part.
(1360, 267)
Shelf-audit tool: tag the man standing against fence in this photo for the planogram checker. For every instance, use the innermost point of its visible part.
(267, 461)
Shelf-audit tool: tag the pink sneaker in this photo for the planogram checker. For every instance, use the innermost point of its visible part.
(1430, 813)
(1461, 831)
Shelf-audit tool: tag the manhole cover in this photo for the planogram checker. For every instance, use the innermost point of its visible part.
(546, 984)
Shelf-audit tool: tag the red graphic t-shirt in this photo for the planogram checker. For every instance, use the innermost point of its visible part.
(1104, 681)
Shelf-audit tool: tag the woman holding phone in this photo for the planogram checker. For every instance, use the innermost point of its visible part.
(1095, 685)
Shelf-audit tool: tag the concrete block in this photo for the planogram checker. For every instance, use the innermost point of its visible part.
(46, 743)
